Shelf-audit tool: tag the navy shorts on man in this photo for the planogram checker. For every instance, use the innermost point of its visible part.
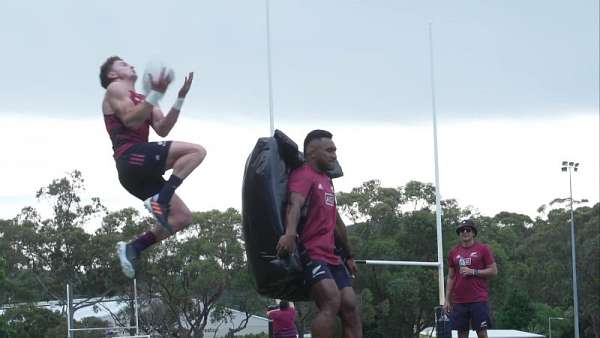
(141, 168)
(315, 271)
(474, 315)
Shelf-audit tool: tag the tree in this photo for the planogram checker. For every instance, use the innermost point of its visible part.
(44, 254)
(31, 322)
(398, 302)
(190, 276)
(517, 311)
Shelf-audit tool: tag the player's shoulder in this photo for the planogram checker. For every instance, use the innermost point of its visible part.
(483, 246)
(453, 249)
(117, 89)
(301, 171)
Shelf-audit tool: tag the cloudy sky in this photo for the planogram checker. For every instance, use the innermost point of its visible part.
(517, 87)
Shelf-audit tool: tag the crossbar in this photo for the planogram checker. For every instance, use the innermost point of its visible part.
(103, 328)
(397, 263)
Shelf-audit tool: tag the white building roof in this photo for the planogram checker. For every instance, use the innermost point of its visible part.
(491, 334)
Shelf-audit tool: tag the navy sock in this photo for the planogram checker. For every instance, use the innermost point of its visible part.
(168, 189)
(144, 241)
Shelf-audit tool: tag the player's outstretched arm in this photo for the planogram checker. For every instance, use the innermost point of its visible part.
(162, 124)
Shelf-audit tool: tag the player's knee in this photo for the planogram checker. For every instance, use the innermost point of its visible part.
(349, 309)
(199, 152)
(331, 305)
(349, 313)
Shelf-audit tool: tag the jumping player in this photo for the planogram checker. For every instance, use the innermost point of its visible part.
(140, 164)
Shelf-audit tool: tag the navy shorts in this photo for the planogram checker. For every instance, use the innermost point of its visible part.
(315, 271)
(141, 168)
(475, 315)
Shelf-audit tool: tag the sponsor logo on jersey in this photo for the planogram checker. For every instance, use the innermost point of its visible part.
(329, 199)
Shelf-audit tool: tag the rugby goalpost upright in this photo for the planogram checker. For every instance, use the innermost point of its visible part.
(438, 207)
(438, 213)
(71, 330)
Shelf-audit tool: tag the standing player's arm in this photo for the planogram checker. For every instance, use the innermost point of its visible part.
(342, 235)
(162, 124)
(287, 242)
(131, 115)
(449, 289)
(490, 271)
(342, 238)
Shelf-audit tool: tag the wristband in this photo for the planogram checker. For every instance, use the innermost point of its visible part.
(178, 103)
(475, 272)
(153, 97)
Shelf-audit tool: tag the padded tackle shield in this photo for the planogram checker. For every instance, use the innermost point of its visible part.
(264, 197)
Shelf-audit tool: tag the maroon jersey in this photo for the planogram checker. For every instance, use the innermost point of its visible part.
(122, 137)
(283, 322)
(470, 289)
(317, 236)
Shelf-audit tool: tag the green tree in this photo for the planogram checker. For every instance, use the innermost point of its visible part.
(398, 302)
(29, 321)
(587, 221)
(202, 272)
(517, 311)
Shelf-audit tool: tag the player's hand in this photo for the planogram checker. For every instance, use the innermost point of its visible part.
(186, 85)
(162, 83)
(286, 244)
(447, 307)
(351, 264)
(464, 271)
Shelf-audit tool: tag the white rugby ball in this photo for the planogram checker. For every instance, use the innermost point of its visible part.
(154, 68)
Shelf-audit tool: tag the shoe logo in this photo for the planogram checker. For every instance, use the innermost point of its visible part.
(156, 208)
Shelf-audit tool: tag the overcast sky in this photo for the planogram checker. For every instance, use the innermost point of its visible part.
(517, 87)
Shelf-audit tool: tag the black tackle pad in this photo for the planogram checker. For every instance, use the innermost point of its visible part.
(264, 197)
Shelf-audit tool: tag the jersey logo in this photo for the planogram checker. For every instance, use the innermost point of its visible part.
(329, 199)
(464, 261)
(320, 186)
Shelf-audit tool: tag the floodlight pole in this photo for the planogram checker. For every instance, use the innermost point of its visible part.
(438, 207)
(572, 166)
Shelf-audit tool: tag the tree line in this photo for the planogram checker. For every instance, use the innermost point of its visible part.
(199, 276)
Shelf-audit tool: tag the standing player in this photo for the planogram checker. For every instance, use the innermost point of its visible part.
(329, 281)
(470, 264)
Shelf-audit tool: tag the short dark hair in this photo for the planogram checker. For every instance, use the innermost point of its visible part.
(314, 135)
(284, 304)
(105, 69)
